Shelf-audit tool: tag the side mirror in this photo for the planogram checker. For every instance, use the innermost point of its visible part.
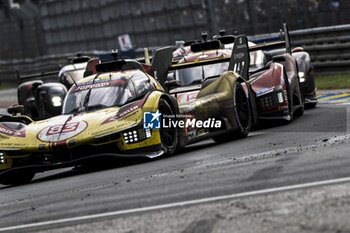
(278, 58)
(172, 83)
(88, 73)
(298, 49)
(16, 109)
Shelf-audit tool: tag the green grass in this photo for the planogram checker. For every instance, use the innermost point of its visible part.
(7, 85)
(337, 81)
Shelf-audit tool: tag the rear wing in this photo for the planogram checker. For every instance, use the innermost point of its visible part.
(238, 62)
(283, 42)
(22, 78)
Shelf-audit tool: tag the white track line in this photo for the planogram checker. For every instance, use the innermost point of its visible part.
(175, 204)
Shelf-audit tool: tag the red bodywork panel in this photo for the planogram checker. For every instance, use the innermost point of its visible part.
(147, 68)
(298, 49)
(266, 83)
(91, 66)
(268, 80)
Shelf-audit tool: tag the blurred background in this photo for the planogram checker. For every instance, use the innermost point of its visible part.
(38, 34)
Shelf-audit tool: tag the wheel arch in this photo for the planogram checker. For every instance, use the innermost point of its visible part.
(251, 97)
(172, 101)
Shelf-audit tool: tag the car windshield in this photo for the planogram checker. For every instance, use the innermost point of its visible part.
(98, 95)
(196, 75)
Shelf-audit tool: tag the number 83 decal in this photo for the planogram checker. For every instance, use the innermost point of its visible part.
(61, 132)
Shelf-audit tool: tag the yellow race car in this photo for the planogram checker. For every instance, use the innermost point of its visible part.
(122, 111)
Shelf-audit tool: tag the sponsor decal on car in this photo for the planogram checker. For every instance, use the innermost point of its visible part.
(126, 110)
(121, 113)
(11, 132)
(91, 86)
(99, 83)
(62, 132)
(183, 98)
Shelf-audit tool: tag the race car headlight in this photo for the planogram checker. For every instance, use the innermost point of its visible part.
(278, 87)
(280, 97)
(301, 76)
(266, 101)
(131, 136)
(56, 101)
(138, 135)
(148, 133)
(272, 99)
(1, 158)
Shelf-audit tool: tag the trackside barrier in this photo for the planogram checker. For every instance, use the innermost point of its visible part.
(39, 65)
(329, 48)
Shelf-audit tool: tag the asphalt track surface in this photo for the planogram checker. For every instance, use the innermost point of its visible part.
(273, 158)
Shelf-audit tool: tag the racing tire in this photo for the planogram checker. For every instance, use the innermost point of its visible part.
(242, 111)
(300, 99)
(290, 94)
(17, 178)
(310, 105)
(169, 136)
(290, 116)
(294, 96)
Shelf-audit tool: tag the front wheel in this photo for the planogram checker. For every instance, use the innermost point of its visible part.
(310, 105)
(168, 136)
(300, 100)
(241, 107)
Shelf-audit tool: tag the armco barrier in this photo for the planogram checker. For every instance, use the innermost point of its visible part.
(44, 64)
(329, 48)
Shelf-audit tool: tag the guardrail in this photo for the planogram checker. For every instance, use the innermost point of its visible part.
(39, 65)
(329, 47)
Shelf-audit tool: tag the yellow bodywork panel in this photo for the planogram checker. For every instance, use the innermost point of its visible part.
(214, 100)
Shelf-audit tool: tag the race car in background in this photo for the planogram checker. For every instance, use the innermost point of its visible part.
(259, 59)
(120, 112)
(304, 65)
(41, 100)
(182, 48)
(273, 84)
(306, 75)
(73, 72)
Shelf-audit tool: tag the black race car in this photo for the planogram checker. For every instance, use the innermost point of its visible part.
(40, 100)
(306, 75)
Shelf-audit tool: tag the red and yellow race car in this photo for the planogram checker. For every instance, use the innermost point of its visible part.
(274, 85)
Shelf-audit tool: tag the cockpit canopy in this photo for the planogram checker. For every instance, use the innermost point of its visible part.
(196, 75)
(107, 90)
